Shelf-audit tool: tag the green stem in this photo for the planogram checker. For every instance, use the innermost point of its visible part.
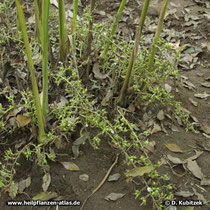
(31, 69)
(38, 12)
(62, 30)
(155, 41)
(134, 53)
(114, 27)
(45, 16)
(89, 35)
(157, 35)
(74, 28)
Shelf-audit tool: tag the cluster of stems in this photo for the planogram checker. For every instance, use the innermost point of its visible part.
(150, 65)
(42, 19)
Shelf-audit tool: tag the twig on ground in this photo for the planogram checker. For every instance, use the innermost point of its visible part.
(102, 182)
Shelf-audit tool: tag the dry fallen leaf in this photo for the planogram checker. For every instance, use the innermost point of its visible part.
(156, 128)
(46, 182)
(179, 120)
(97, 73)
(194, 157)
(188, 85)
(168, 88)
(206, 84)
(184, 194)
(194, 103)
(75, 150)
(199, 196)
(205, 127)
(202, 95)
(151, 146)
(195, 169)
(23, 120)
(139, 171)
(174, 148)
(114, 177)
(84, 177)
(77, 143)
(160, 115)
(54, 2)
(13, 113)
(205, 181)
(63, 102)
(70, 166)
(45, 196)
(208, 137)
(174, 160)
(174, 128)
(31, 20)
(24, 184)
(114, 196)
(107, 98)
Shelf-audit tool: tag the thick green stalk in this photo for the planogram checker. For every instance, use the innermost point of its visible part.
(121, 100)
(38, 29)
(141, 24)
(18, 25)
(89, 35)
(155, 41)
(74, 27)
(134, 53)
(157, 34)
(114, 27)
(75, 16)
(18, 22)
(45, 16)
(31, 69)
(62, 30)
